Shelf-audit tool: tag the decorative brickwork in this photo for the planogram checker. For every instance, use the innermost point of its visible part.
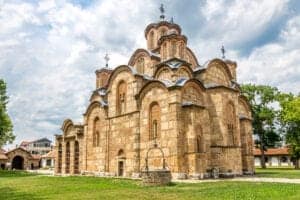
(195, 114)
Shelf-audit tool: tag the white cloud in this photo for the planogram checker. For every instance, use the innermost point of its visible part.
(49, 50)
(276, 63)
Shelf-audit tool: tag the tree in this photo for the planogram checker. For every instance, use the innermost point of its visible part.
(261, 99)
(290, 116)
(6, 127)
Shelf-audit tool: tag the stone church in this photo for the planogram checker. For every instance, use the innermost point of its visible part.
(194, 113)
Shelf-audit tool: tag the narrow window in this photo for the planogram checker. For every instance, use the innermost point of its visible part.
(181, 51)
(154, 121)
(140, 65)
(151, 40)
(121, 98)
(173, 49)
(96, 134)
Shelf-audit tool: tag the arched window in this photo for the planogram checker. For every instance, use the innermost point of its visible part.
(154, 121)
(59, 158)
(76, 157)
(181, 50)
(96, 135)
(199, 140)
(173, 49)
(164, 51)
(67, 158)
(121, 98)
(151, 40)
(230, 122)
(141, 65)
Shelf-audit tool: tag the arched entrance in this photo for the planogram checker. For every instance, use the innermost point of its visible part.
(17, 162)
(121, 163)
(76, 157)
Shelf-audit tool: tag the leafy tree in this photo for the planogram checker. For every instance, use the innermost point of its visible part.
(290, 116)
(261, 99)
(6, 127)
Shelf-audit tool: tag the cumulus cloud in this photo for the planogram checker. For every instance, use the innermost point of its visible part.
(50, 49)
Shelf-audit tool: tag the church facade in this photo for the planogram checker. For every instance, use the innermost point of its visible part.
(194, 113)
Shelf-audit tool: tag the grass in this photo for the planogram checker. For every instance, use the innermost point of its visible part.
(21, 185)
(276, 172)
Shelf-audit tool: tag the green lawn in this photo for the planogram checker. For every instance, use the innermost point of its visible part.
(20, 185)
(274, 172)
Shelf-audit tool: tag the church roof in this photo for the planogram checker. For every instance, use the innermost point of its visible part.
(174, 63)
(162, 23)
(50, 154)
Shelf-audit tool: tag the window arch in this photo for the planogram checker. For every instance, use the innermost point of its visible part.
(230, 122)
(173, 49)
(154, 121)
(192, 94)
(181, 50)
(151, 40)
(141, 65)
(164, 51)
(121, 97)
(200, 144)
(96, 134)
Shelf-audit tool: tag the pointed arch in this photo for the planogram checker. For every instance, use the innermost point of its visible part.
(141, 65)
(147, 87)
(154, 121)
(96, 132)
(121, 97)
(193, 92)
(218, 72)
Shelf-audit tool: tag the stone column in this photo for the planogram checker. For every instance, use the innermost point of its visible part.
(63, 157)
(72, 156)
(83, 148)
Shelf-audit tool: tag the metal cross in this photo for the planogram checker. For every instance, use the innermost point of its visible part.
(162, 11)
(223, 52)
(172, 20)
(106, 58)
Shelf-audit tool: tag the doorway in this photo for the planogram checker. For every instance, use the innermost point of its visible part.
(121, 168)
(18, 162)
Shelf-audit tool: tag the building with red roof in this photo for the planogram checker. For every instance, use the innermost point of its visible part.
(273, 157)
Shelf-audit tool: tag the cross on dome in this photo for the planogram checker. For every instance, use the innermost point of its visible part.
(223, 52)
(106, 58)
(162, 12)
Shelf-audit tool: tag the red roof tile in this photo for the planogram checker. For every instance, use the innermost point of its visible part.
(273, 151)
(50, 154)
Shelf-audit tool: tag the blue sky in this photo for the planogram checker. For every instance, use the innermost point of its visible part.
(49, 49)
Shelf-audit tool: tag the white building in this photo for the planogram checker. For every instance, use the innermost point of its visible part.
(276, 157)
(47, 160)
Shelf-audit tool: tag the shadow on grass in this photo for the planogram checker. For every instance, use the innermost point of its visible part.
(15, 174)
(9, 193)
